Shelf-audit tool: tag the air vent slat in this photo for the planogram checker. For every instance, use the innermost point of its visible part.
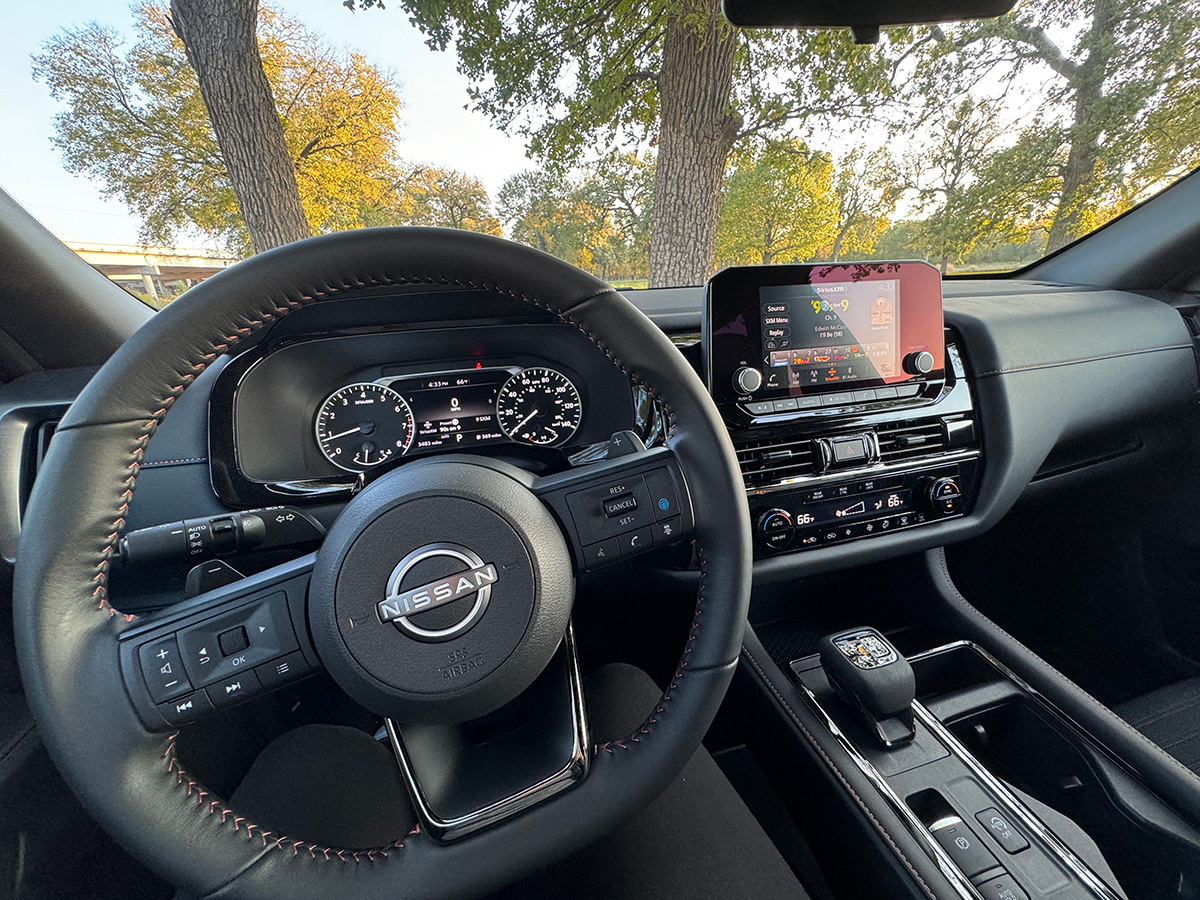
(910, 440)
(770, 462)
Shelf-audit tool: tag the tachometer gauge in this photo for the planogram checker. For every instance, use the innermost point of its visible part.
(362, 425)
(539, 406)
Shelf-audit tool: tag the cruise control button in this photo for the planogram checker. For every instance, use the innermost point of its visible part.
(663, 499)
(235, 689)
(163, 670)
(635, 542)
(1001, 830)
(281, 671)
(666, 532)
(620, 506)
(601, 553)
(183, 710)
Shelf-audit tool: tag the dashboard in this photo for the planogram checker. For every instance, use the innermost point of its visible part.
(1032, 385)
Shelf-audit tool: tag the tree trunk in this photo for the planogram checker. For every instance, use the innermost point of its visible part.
(221, 44)
(696, 133)
(1085, 130)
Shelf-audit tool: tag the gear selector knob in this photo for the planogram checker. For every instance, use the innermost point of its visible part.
(872, 677)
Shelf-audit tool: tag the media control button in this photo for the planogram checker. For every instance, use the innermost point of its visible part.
(808, 402)
(188, 708)
(760, 407)
(963, 847)
(234, 689)
(280, 671)
(601, 553)
(163, 669)
(999, 827)
(233, 641)
(237, 640)
(788, 405)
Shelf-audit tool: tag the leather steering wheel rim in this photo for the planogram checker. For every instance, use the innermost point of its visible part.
(130, 778)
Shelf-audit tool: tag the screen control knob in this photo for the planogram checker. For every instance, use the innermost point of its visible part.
(775, 529)
(919, 363)
(944, 496)
(747, 379)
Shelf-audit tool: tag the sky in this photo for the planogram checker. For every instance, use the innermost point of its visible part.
(435, 126)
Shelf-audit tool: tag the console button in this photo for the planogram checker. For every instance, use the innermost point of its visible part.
(663, 499)
(163, 670)
(788, 405)
(865, 396)
(1002, 888)
(808, 402)
(760, 407)
(818, 494)
(839, 399)
(234, 689)
(849, 451)
(601, 553)
(1001, 829)
(885, 393)
(964, 848)
(908, 390)
(808, 540)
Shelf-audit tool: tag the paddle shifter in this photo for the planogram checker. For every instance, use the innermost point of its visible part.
(872, 677)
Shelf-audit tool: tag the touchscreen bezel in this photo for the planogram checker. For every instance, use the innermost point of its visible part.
(732, 328)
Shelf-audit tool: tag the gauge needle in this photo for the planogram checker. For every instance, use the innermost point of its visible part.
(525, 421)
(334, 437)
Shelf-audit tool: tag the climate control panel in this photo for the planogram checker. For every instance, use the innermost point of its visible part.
(832, 512)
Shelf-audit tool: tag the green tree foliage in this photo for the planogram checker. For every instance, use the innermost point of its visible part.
(778, 205)
(868, 187)
(1120, 93)
(625, 72)
(443, 198)
(134, 120)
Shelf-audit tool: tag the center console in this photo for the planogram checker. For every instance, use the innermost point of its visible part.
(846, 399)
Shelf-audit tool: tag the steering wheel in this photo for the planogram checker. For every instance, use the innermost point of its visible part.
(123, 764)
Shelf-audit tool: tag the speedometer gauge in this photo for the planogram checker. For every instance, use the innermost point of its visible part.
(362, 425)
(539, 406)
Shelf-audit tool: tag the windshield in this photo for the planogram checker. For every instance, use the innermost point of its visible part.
(648, 143)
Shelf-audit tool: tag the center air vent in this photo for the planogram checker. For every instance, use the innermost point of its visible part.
(772, 462)
(911, 439)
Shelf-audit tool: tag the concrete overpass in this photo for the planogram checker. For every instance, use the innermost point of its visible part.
(153, 270)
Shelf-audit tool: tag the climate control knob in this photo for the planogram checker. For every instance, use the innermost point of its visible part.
(944, 496)
(747, 380)
(919, 363)
(775, 529)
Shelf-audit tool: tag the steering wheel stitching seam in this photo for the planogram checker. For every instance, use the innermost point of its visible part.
(274, 314)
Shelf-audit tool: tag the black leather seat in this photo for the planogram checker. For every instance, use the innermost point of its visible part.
(1169, 716)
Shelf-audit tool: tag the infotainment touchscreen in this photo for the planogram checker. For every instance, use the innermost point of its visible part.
(819, 331)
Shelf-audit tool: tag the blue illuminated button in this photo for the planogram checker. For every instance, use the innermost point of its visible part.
(662, 494)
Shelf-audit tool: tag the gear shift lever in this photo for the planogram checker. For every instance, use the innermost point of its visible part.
(873, 678)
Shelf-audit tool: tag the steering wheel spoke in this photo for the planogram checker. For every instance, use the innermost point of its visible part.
(220, 648)
(621, 507)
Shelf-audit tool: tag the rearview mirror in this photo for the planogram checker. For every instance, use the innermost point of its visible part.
(863, 16)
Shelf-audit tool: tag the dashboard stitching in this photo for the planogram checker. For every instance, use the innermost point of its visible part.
(1082, 359)
(1122, 726)
(832, 765)
(100, 578)
(269, 838)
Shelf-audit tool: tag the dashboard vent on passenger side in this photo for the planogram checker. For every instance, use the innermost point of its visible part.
(771, 462)
(911, 439)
